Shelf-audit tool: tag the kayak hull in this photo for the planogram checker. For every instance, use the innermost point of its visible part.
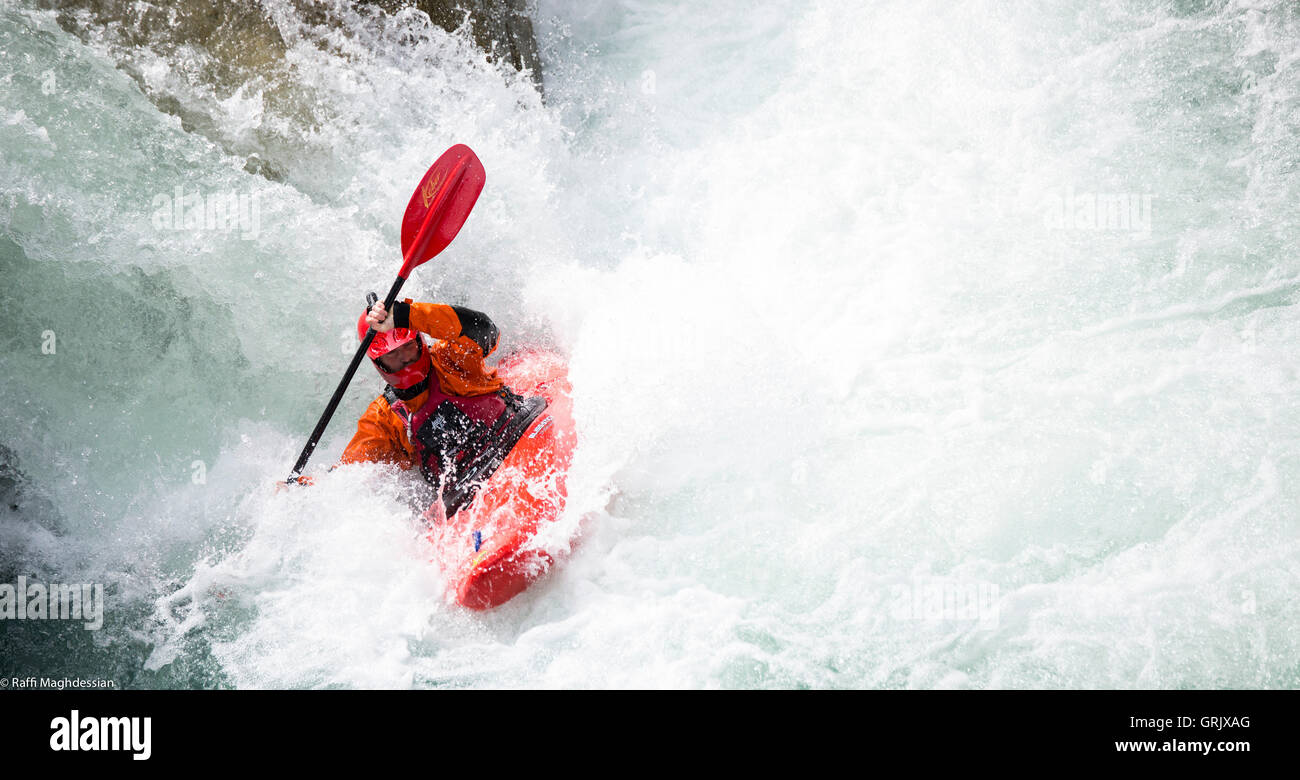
(490, 549)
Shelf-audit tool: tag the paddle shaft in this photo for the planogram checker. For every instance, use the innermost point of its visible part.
(343, 386)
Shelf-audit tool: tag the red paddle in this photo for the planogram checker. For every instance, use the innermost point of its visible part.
(437, 210)
(440, 205)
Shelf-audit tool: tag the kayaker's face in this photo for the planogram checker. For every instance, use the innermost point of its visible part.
(401, 357)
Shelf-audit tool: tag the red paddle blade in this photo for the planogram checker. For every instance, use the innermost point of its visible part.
(440, 205)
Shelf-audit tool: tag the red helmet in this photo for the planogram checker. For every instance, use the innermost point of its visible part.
(383, 343)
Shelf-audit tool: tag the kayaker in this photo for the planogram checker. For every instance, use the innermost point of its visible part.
(444, 410)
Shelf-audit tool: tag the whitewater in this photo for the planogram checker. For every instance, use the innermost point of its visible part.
(926, 344)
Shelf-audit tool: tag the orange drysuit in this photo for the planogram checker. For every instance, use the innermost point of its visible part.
(458, 368)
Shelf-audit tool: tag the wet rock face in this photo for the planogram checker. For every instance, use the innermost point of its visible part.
(243, 35)
(220, 26)
(501, 28)
(217, 50)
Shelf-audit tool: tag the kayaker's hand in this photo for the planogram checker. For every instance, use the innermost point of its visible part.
(378, 318)
(302, 480)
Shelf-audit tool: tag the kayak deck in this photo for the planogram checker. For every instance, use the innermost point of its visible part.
(488, 549)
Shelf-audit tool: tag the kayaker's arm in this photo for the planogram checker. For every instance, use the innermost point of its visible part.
(449, 323)
(378, 439)
(444, 322)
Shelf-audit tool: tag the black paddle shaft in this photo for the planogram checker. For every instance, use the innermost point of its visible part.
(343, 385)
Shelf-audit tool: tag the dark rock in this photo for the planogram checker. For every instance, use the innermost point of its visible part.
(501, 28)
(243, 35)
(245, 45)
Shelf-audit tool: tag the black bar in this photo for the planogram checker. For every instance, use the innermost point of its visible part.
(1047, 731)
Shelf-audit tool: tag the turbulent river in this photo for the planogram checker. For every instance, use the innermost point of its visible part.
(914, 344)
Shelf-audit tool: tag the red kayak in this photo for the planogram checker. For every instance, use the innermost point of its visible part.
(489, 549)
